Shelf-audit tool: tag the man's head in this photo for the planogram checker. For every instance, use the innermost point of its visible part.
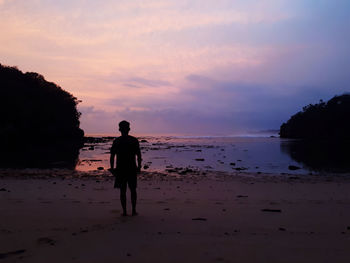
(124, 127)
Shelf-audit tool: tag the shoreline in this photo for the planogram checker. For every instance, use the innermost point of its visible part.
(49, 173)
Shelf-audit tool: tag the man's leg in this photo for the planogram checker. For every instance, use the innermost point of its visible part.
(133, 200)
(123, 198)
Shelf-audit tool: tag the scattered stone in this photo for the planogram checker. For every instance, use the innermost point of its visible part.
(199, 159)
(293, 167)
(185, 171)
(145, 167)
(233, 164)
(143, 140)
(100, 168)
(3, 190)
(240, 168)
(128, 254)
(282, 229)
(271, 210)
(91, 160)
(199, 219)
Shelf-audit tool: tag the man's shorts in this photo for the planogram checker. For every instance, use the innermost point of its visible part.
(130, 180)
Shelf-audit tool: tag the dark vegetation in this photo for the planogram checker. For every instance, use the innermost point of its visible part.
(39, 122)
(329, 120)
(324, 130)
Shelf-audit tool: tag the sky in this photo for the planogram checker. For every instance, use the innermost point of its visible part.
(183, 67)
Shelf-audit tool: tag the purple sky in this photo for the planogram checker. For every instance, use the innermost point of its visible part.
(201, 67)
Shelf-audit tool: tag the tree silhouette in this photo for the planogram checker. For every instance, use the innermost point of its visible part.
(320, 121)
(39, 121)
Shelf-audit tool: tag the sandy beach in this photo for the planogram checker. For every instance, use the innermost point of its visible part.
(64, 216)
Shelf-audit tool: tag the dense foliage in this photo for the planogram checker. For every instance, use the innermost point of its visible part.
(39, 121)
(329, 120)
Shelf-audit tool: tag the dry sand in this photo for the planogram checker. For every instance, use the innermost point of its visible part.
(52, 216)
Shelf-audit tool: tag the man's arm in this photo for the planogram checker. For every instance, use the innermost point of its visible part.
(112, 157)
(111, 160)
(139, 158)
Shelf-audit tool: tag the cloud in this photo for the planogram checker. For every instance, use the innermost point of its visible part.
(183, 65)
(208, 106)
(149, 82)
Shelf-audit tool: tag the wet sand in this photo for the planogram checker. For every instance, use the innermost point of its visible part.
(55, 216)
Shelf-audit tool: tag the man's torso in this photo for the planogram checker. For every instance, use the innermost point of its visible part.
(126, 148)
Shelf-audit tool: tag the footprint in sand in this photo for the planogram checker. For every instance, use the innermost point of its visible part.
(271, 210)
(12, 253)
(46, 241)
(199, 219)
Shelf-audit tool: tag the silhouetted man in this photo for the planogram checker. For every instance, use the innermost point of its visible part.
(126, 148)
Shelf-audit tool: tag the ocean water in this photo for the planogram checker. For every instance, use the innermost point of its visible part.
(244, 154)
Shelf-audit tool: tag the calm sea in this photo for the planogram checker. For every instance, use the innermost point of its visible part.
(245, 154)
